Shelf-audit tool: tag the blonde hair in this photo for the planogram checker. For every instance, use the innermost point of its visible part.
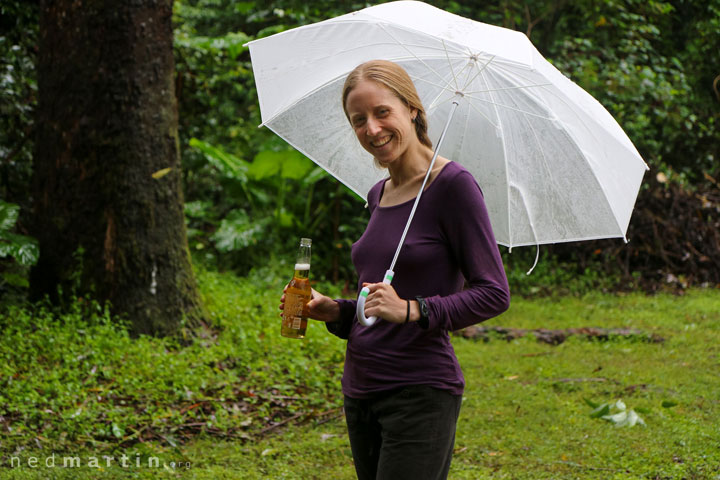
(396, 79)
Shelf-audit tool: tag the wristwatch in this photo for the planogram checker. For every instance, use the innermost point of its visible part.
(424, 321)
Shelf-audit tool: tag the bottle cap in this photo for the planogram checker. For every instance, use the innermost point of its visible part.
(306, 241)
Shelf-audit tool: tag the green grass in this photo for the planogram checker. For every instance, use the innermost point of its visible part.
(524, 414)
(78, 385)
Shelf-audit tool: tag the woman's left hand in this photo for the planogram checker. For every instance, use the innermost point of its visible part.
(384, 302)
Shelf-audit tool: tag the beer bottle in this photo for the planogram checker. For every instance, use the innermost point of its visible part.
(297, 295)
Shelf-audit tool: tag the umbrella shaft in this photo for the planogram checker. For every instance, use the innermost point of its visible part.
(455, 104)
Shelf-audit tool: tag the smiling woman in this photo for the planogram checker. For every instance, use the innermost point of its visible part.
(382, 123)
(402, 383)
(391, 88)
(389, 121)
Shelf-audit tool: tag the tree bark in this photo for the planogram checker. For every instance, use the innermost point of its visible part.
(107, 206)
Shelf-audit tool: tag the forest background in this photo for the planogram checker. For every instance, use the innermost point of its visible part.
(248, 196)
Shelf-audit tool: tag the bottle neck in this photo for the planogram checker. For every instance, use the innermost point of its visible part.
(303, 257)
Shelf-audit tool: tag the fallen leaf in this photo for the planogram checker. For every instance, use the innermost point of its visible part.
(161, 173)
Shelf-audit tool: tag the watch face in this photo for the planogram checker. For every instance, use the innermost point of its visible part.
(424, 311)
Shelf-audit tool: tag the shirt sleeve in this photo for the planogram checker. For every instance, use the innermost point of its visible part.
(341, 328)
(466, 225)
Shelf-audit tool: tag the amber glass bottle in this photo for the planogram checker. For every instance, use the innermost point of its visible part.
(298, 295)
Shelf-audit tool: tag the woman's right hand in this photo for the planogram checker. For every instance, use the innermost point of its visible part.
(320, 307)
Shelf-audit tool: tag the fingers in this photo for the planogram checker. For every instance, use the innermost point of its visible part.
(314, 298)
(282, 299)
(383, 301)
(374, 287)
(379, 290)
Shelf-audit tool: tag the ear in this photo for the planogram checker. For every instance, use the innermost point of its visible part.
(413, 114)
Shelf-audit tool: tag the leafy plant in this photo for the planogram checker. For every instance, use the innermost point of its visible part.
(615, 413)
(23, 249)
(18, 96)
(261, 204)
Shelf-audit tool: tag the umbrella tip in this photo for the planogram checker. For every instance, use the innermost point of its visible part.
(537, 257)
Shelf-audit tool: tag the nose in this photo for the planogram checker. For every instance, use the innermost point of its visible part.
(372, 127)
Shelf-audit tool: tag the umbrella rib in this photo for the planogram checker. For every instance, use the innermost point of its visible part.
(436, 104)
(480, 70)
(442, 53)
(532, 226)
(467, 127)
(497, 126)
(509, 107)
(507, 178)
(412, 53)
(433, 103)
(547, 168)
(452, 70)
(434, 84)
(509, 88)
(488, 90)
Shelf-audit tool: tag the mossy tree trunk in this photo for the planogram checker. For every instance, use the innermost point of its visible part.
(107, 206)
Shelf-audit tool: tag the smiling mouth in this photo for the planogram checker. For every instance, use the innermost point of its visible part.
(381, 142)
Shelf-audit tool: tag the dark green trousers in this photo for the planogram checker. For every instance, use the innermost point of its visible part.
(406, 433)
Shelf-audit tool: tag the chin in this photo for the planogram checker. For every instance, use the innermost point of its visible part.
(383, 163)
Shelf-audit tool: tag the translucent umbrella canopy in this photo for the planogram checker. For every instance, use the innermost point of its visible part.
(553, 164)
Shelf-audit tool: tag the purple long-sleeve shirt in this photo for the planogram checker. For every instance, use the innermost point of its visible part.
(450, 242)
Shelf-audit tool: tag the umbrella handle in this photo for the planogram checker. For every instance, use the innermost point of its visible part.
(363, 297)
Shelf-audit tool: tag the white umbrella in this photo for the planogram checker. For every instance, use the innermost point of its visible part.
(553, 164)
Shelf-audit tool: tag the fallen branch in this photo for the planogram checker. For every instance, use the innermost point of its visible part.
(556, 337)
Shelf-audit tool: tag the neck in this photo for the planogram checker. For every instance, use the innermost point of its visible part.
(411, 166)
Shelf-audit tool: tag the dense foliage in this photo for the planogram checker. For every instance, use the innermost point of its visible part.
(250, 197)
(642, 60)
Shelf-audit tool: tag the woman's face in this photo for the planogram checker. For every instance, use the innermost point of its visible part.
(382, 122)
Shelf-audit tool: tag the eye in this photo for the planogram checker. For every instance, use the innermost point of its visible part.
(383, 111)
(357, 121)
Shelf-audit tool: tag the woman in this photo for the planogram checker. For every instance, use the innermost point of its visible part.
(402, 382)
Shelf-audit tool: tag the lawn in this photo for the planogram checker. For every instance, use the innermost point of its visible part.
(244, 403)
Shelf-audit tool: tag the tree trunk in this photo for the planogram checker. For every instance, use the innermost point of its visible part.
(107, 206)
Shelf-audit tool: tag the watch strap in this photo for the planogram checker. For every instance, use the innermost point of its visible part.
(424, 321)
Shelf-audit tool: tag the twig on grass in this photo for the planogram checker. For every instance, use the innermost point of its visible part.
(591, 379)
(587, 467)
(280, 424)
(336, 412)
